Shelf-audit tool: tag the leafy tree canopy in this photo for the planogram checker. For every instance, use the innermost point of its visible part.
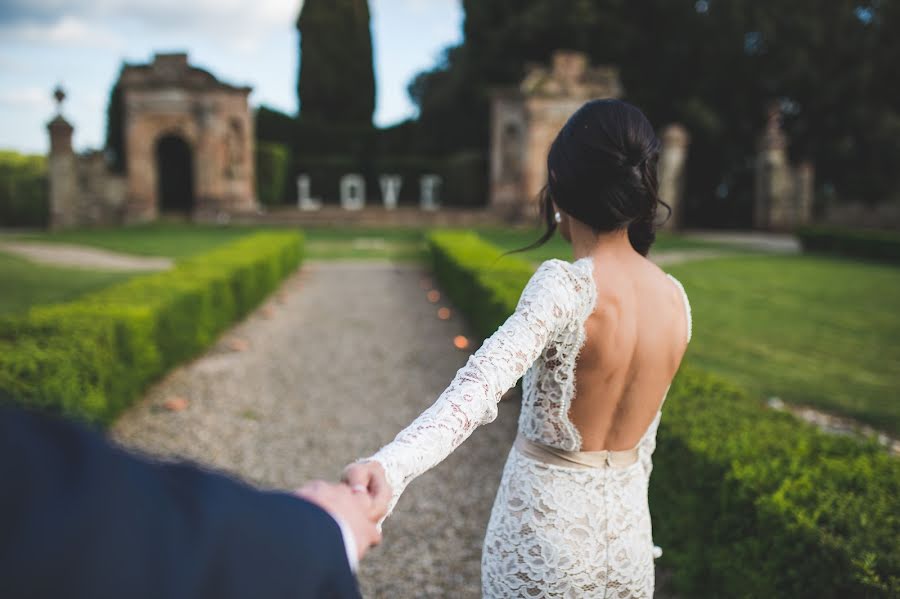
(713, 65)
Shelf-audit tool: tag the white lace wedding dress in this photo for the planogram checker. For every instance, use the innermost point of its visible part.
(574, 526)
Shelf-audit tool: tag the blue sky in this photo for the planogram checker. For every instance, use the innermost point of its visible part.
(82, 43)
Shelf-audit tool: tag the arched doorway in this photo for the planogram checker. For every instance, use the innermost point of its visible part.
(175, 176)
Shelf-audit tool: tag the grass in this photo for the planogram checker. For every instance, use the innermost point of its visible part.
(180, 240)
(557, 247)
(26, 284)
(811, 330)
(359, 243)
(172, 240)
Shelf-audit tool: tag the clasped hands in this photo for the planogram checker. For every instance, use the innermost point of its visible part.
(360, 500)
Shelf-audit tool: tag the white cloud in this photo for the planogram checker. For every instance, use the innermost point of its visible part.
(422, 6)
(26, 97)
(68, 31)
(241, 23)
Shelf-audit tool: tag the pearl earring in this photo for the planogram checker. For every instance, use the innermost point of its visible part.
(557, 217)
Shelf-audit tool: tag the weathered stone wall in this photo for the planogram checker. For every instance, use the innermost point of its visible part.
(166, 97)
(525, 120)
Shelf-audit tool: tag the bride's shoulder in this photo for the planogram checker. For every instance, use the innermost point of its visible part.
(559, 277)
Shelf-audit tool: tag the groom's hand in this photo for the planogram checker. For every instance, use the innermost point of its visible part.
(371, 477)
(345, 505)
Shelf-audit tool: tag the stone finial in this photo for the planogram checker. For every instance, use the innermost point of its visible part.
(59, 94)
(59, 128)
(773, 137)
(569, 67)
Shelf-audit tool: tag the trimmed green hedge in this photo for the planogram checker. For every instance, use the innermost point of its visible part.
(91, 358)
(746, 501)
(24, 194)
(272, 162)
(861, 243)
(476, 276)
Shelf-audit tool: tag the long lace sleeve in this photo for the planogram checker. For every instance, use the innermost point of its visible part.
(471, 399)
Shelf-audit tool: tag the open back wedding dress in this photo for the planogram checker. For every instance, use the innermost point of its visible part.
(565, 523)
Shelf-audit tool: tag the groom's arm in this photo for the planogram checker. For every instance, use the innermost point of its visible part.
(81, 518)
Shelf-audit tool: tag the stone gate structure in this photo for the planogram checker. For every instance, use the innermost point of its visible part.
(525, 120)
(187, 140)
(783, 193)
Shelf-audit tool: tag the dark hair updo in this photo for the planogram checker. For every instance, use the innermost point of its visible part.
(602, 171)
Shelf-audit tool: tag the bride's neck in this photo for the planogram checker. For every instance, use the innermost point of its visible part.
(585, 242)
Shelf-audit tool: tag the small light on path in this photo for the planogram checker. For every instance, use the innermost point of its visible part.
(434, 296)
(444, 313)
(460, 342)
(175, 404)
(238, 345)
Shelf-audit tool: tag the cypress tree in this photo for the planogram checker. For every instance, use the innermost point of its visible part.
(336, 82)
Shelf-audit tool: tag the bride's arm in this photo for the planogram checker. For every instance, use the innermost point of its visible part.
(471, 399)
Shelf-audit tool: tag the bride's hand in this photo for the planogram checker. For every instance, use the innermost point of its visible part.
(370, 476)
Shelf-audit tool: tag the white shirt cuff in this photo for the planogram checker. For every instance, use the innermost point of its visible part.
(349, 543)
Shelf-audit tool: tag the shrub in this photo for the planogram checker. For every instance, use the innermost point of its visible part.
(92, 357)
(861, 243)
(746, 501)
(272, 162)
(480, 281)
(24, 197)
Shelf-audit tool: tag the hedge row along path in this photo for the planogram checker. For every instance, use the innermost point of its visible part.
(80, 256)
(330, 368)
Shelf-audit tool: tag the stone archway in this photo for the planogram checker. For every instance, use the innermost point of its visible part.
(175, 190)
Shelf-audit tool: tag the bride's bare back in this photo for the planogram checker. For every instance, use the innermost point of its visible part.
(634, 343)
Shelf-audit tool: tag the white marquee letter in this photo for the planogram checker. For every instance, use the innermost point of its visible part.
(353, 192)
(390, 190)
(304, 200)
(429, 188)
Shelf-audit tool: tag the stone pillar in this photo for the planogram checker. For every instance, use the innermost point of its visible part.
(773, 182)
(672, 160)
(804, 192)
(61, 172)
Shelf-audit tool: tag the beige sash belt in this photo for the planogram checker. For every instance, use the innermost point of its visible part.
(576, 459)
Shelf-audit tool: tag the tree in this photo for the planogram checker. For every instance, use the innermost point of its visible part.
(336, 81)
(712, 65)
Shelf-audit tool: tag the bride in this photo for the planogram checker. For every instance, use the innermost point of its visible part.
(598, 341)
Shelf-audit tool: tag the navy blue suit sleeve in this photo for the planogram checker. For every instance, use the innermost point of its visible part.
(82, 518)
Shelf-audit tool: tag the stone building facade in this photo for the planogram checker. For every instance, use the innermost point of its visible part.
(188, 148)
(526, 119)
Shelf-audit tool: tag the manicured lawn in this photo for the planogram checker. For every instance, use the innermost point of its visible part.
(176, 240)
(510, 239)
(183, 240)
(810, 330)
(165, 239)
(26, 284)
(354, 243)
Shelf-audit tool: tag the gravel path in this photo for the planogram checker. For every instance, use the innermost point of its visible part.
(342, 358)
(79, 256)
(338, 361)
